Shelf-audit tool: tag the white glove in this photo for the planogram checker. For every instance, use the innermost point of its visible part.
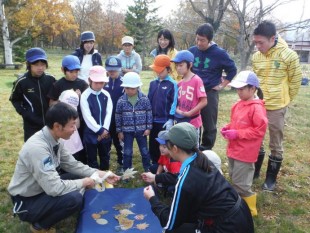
(168, 124)
(99, 180)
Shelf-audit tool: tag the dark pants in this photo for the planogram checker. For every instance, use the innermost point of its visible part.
(30, 129)
(128, 149)
(209, 120)
(46, 210)
(104, 155)
(116, 143)
(153, 144)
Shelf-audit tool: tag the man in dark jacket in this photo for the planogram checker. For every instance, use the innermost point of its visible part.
(29, 93)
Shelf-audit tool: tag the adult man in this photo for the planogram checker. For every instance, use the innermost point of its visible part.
(29, 93)
(40, 195)
(279, 73)
(210, 62)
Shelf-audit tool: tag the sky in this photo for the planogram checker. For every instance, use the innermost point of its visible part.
(290, 12)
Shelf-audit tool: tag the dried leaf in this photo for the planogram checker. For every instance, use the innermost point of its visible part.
(126, 212)
(102, 212)
(140, 217)
(125, 223)
(129, 173)
(123, 206)
(102, 221)
(96, 216)
(142, 226)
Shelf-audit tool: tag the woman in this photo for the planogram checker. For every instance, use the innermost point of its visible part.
(203, 200)
(87, 54)
(166, 45)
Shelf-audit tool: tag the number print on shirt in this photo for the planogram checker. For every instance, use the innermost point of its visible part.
(189, 92)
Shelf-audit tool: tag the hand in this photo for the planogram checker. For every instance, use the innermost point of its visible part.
(223, 131)
(112, 178)
(77, 91)
(231, 134)
(148, 177)
(218, 87)
(88, 182)
(147, 132)
(168, 124)
(120, 136)
(148, 192)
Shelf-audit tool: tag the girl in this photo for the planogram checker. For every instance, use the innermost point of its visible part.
(165, 45)
(87, 54)
(245, 133)
(203, 200)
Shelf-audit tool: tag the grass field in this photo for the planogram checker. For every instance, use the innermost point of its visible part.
(286, 210)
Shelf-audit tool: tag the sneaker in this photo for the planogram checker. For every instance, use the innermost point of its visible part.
(50, 230)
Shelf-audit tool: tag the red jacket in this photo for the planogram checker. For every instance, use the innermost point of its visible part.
(250, 120)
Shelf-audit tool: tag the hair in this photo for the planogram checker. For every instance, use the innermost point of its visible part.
(205, 30)
(28, 64)
(260, 93)
(82, 47)
(265, 28)
(188, 65)
(167, 35)
(201, 161)
(66, 69)
(60, 113)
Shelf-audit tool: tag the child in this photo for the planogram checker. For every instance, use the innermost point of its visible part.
(163, 94)
(96, 106)
(87, 54)
(113, 66)
(245, 133)
(133, 119)
(70, 67)
(29, 93)
(192, 95)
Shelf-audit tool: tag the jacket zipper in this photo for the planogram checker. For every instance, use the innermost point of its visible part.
(42, 107)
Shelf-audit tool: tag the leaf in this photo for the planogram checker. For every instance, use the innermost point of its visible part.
(102, 221)
(123, 206)
(139, 217)
(102, 212)
(126, 212)
(96, 216)
(142, 226)
(129, 173)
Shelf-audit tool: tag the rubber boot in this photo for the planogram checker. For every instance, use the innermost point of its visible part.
(259, 162)
(273, 168)
(251, 201)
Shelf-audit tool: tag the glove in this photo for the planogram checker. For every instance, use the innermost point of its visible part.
(168, 124)
(223, 131)
(231, 134)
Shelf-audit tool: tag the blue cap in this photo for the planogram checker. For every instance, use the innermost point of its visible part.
(183, 55)
(113, 63)
(87, 36)
(35, 54)
(162, 137)
(71, 62)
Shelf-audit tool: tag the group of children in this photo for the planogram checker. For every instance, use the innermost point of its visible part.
(113, 108)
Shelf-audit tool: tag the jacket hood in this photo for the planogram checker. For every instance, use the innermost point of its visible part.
(133, 52)
(254, 101)
(281, 44)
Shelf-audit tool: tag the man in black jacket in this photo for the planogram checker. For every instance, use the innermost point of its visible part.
(29, 93)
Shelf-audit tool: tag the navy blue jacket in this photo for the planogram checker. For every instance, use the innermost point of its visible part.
(210, 64)
(116, 91)
(96, 57)
(163, 96)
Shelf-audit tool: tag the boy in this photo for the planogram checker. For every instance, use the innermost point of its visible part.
(29, 93)
(192, 95)
(71, 67)
(113, 66)
(133, 119)
(163, 94)
(96, 106)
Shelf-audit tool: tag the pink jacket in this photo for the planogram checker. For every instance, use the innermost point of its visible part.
(250, 120)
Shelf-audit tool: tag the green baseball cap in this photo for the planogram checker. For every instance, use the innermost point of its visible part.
(183, 135)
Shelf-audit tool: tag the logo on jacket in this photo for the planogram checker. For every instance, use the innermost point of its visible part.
(205, 64)
(30, 90)
(277, 64)
(164, 88)
(48, 164)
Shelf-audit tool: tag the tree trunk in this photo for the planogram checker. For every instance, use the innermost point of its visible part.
(8, 57)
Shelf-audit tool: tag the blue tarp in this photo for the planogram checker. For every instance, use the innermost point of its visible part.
(95, 201)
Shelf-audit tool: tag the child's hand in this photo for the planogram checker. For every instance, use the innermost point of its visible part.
(148, 177)
(77, 91)
(231, 134)
(120, 136)
(146, 132)
(223, 131)
(148, 192)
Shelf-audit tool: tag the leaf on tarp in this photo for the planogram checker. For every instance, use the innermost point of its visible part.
(125, 223)
(140, 217)
(126, 212)
(102, 221)
(129, 173)
(123, 206)
(142, 226)
(95, 216)
(102, 212)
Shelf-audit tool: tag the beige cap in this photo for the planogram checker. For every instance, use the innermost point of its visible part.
(127, 40)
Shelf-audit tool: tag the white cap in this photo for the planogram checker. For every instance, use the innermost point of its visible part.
(131, 79)
(245, 78)
(127, 39)
(69, 97)
(214, 158)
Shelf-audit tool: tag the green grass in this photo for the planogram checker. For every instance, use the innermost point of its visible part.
(285, 210)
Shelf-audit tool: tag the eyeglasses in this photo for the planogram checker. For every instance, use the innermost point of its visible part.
(127, 44)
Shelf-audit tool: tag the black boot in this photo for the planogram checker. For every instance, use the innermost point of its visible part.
(259, 162)
(273, 168)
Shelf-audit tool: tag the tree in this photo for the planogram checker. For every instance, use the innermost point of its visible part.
(142, 23)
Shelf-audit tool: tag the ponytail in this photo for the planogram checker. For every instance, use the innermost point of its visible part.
(260, 93)
(202, 161)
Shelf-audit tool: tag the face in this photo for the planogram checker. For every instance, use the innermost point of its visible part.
(66, 131)
(164, 150)
(37, 69)
(96, 86)
(127, 48)
(173, 152)
(131, 91)
(202, 42)
(72, 75)
(163, 42)
(262, 43)
(246, 93)
(182, 68)
(113, 74)
(162, 75)
(88, 46)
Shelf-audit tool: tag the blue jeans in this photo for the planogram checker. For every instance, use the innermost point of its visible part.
(128, 149)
